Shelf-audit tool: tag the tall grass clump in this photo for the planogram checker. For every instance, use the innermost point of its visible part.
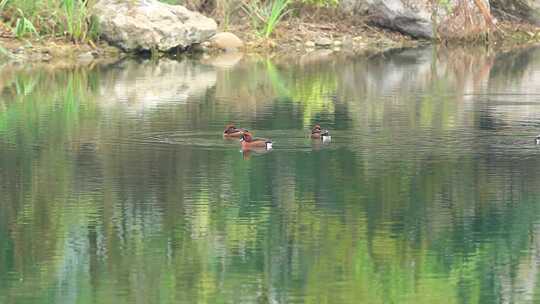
(68, 18)
(265, 15)
(76, 20)
(23, 26)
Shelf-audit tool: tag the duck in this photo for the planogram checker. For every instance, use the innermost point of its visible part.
(248, 142)
(537, 139)
(231, 131)
(318, 133)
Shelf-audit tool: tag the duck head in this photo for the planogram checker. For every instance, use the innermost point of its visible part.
(246, 136)
(537, 140)
(316, 129)
(230, 128)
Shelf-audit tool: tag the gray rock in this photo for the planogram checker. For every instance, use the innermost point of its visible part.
(324, 42)
(150, 24)
(38, 57)
(525, 9)
(226, 41)
(424, 19)
(354, 6)
(396, 15)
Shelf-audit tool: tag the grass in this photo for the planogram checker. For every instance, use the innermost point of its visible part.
(265, 16)
(36, 18)
(23, 26)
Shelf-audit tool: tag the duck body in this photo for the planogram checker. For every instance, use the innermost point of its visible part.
(318, 133)
(233, 132)
(249, 143)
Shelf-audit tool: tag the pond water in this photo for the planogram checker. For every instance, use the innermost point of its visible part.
(116, 185)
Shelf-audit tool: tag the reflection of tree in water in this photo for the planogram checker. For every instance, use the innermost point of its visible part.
(512, 65)
(487, 122)
(370, 218)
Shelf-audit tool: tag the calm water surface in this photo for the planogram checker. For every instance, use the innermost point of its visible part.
(117, 187)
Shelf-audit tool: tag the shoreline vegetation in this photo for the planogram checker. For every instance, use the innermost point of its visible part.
(50, 30)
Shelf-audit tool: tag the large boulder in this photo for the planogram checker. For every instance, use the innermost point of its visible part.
(402, 16)
(429, 19)
(138, 25)
(524, 9)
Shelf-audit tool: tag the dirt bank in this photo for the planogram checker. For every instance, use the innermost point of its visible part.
(330, 30)
(54, 49)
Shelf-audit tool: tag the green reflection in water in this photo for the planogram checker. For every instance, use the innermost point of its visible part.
(116, 186)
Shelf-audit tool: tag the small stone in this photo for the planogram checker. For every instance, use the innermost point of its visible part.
(324, 42)
(338, 43)
(309, 44)
(226, 41)
(19, 50)
(38, 57)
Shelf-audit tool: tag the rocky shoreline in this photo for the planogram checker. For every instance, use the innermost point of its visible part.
(64, 51)
(152, 30)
